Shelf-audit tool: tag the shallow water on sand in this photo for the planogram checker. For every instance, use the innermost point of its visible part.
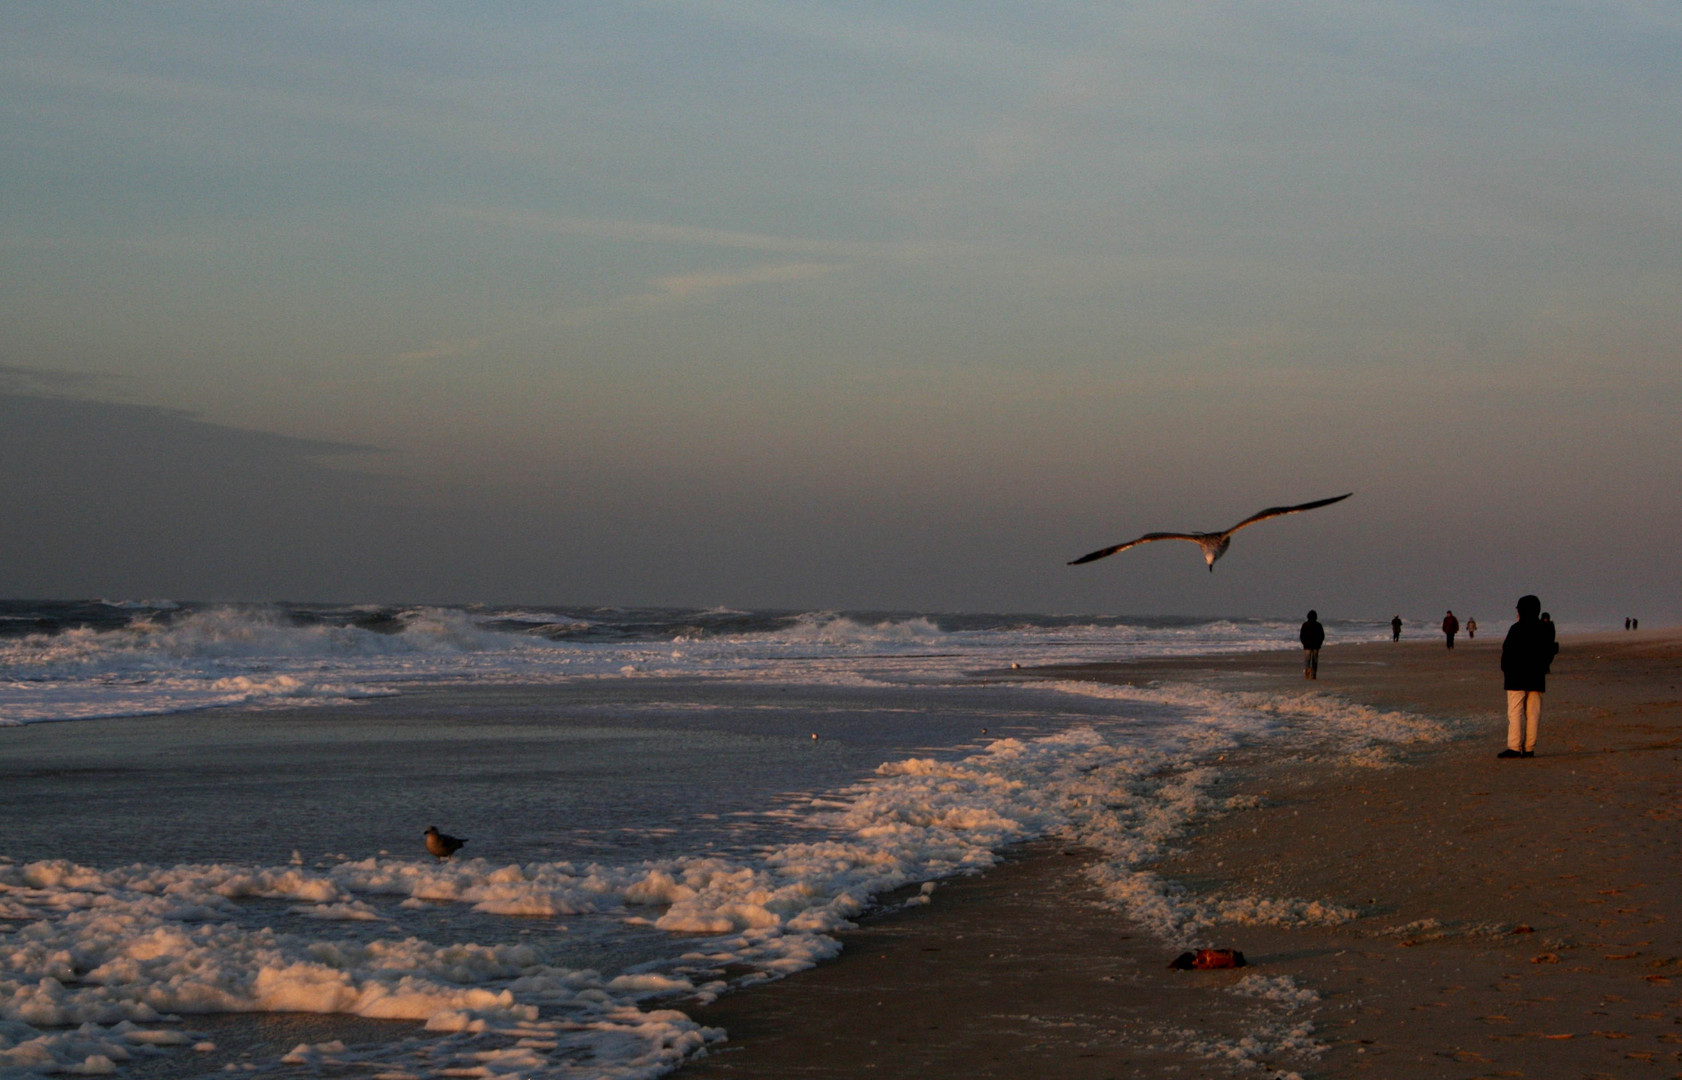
(619, 769)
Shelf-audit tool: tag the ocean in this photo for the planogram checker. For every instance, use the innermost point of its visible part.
(215, 810)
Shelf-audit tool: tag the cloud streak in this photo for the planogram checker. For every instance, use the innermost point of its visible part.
(699, 287)
(29, 380)
(705, 283)
(670, 235)
(869, 34)
(667, 291)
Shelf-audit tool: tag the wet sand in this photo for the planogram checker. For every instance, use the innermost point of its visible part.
(1516, 918)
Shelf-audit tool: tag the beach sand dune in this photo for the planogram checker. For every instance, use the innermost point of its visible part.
(1513, 918)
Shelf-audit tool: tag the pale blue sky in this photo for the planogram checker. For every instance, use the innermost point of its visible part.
(865, 305)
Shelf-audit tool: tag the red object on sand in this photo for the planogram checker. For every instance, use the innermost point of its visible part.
(1209, 959)
(1217, 958)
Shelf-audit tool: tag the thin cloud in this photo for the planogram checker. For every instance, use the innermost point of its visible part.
(661, 233)
(440, 350)
(715, 281)
(861, 33)
(663, 292)
(701, 286)
(28, 380)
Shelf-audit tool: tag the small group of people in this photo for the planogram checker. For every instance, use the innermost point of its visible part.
(1451, 627)
(1632, 624)
(1527, 655)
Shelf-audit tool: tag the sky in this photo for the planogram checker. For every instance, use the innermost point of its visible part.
(844, 305)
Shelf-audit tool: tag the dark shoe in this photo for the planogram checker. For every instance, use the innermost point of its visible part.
(1529, 753)
(1510, 753)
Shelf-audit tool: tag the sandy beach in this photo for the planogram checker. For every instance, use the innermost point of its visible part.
(1506, 918)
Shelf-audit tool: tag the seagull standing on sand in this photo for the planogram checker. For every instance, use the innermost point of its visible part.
(1214, 544)
(442, 845)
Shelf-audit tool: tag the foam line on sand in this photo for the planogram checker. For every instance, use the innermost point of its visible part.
(1505, 918)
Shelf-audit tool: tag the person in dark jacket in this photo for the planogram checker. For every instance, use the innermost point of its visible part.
(1526, 656)
(1313, 636)
(1451, 626)
(1396, 628)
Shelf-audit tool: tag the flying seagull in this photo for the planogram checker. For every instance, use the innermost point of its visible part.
(1214, 544)
(441, 845)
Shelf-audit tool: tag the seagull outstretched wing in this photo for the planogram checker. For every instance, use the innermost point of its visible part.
(1145, 539)
(1278, 511)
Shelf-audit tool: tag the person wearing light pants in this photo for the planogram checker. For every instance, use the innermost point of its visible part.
(1526, 655)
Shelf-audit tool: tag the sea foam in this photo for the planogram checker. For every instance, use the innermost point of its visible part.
(99, 958)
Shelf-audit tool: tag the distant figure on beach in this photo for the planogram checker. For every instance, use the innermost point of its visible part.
(1313, 636)
(1526, 655)
(1626, 622)
(1635, 624)
(441, 845)
(1396, 628)
(1451, 626)
(1471, 629)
